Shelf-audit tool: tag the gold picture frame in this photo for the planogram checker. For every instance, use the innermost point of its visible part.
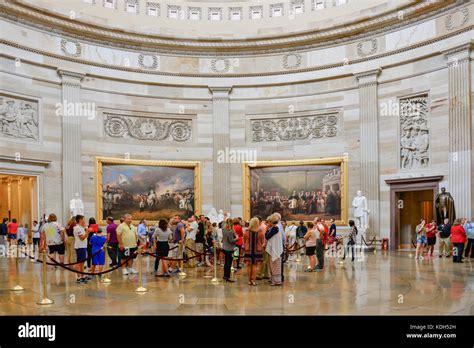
(341, 161)
(100, 161)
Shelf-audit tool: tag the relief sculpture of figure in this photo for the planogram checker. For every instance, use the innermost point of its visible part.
(444, 204)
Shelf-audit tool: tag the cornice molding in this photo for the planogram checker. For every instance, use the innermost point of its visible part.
(63, 26)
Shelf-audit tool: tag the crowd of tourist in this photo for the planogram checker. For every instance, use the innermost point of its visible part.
(263, 244)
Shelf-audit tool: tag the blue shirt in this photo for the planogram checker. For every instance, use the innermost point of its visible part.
(177, 232)
(141, 230)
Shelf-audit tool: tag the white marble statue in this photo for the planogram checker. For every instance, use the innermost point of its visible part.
(212, 215)
(76, 206)
(220, 216)
(361, 211)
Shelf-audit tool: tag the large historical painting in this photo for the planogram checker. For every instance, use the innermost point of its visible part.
(147, 189)
(298, 190)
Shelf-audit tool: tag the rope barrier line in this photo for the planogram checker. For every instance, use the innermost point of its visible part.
(64, 264)
(373, 241)
(88, 273)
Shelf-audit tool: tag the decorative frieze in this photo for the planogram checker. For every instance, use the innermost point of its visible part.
(457, 19)
(147, 128)
(367, 48)
(19, 118)
(414, 132)
(294, 128)
(220, 65)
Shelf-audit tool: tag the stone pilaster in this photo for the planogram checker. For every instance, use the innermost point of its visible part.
(460, 129)
(221, 141)
(71, 138)
(369, 154)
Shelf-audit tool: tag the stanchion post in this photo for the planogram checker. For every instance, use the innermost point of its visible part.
(215, 280)
(17, 287)
(140, 288)
(45, 300)
(105, 279)
(181, 273)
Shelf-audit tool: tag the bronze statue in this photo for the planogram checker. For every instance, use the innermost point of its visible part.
(444, 204)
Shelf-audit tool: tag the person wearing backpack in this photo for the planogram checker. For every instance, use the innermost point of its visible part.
(3, 231)
(469, 227)
(352, 240)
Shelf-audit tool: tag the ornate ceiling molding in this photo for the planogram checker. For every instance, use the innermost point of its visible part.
(28, 15)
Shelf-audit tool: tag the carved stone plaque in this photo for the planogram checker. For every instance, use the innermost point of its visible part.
(294, 128)
(147, 128)
(414, 132)
(19, 118)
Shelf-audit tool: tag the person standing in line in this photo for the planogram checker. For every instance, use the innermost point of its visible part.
(200, 239)
(458, 238)
(128, 239)
(444, 234)
(291, 237)
(239, 233)
(321, 236)
(35, 232)
(142, 233)
(332, 235)
(52, 236)
(301, 231)
(191, 241)
(264, 269)
(80, 245)
(112, 241)
(352, 240)
(310, 238)
(420, 231)
(161, 238)
(228, 243)
(97, 242)
(469, 227)
(274, 248)
(178, 242)
(211, 243)
(430, 238)
(254, 239)
(92, 228)
(3, 231)
(12, 232)
(70, 240)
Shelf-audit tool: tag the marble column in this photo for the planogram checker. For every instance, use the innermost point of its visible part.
(221, 141)
(460, 129)
(369, 153)
(71, 138)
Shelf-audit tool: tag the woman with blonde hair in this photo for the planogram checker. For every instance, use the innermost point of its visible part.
(228, 245)
(274, 248)
(71, 252)
(254, 239)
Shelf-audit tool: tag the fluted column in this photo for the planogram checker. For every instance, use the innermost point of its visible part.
(369, 147)
(71, 138)
(221, 140)
(460, 129)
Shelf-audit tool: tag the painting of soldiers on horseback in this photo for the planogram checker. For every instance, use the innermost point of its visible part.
(146, 191)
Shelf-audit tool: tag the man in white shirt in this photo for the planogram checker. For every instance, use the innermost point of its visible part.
(191, 241)
(80, 245)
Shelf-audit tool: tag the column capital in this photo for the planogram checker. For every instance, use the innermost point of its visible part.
(220, 91)
(458, 53)
(69, 77)
(368, 77)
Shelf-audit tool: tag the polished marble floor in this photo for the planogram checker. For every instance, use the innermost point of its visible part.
(386, 283)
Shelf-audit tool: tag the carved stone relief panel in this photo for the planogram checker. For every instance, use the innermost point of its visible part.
(147, 128)
(294, 128)
(414, 132)
(19, 118)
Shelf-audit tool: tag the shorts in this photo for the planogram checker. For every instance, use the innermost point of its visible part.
(126, 252)
(310, 250)
(81, 254)
(58, 248)
(174, 254)
(200, 247)
(432, 240)
(12, 236)
(99, 258)
(421, 240)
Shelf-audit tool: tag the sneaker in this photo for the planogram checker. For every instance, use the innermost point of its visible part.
(176, 271)
(133, 271)
(83, 281)
(125, 271)
(78, 280)
(308, 270)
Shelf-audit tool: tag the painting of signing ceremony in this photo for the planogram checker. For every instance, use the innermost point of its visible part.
(296, 192)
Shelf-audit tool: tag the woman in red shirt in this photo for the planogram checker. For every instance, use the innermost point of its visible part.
(458, 238)
(240, 238)
(431, 230)
(12, 230)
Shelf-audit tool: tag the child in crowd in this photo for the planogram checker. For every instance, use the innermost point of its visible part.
(98, 258)
(80, 245)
